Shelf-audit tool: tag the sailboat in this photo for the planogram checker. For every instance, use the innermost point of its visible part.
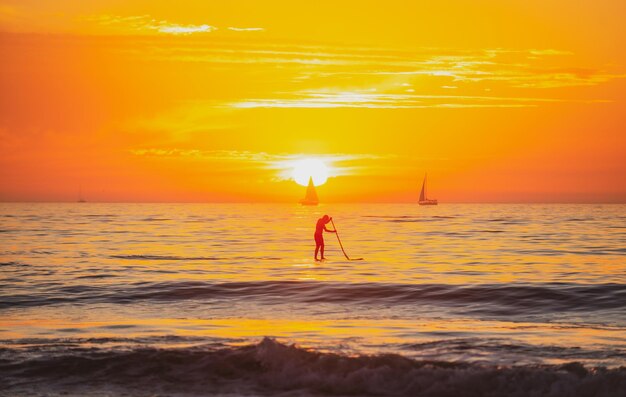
(423, 198)
(311, 195)
(81, 199)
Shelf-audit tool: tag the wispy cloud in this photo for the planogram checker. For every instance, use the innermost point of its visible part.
(210, 155)
(550, 52)
(533, 68)
(235, 29)
(148, 23)
(347, 99)
(281, 164)
(287, 75)
(184, 29)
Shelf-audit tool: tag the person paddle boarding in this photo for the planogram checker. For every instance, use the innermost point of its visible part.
(320, 228)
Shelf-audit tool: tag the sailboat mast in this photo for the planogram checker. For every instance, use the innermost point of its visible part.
(424, 200)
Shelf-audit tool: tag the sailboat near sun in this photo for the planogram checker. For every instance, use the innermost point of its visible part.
(311, 195)
(423, 198)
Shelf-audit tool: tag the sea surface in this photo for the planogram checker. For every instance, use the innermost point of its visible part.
(226, 299)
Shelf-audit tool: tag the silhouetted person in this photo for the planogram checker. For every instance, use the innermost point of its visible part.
(320, 227)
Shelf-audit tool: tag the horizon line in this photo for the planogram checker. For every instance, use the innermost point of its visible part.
(297, 203)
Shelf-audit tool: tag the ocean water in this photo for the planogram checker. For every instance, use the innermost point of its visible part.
(226, 299)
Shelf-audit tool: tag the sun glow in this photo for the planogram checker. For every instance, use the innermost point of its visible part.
(309, 168)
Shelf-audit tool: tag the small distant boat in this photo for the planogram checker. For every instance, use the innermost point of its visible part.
(311, 195)
(424, 200)
(81, 199)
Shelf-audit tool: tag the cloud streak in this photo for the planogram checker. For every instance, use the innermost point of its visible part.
(147, 23)
(316, 99)
(529, 69)
(184, 29)
(235, 29)
(281, 163)
(274, 74)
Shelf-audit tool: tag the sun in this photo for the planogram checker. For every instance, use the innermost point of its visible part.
(309, 168)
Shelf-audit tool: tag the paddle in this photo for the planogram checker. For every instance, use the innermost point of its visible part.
(341, 245)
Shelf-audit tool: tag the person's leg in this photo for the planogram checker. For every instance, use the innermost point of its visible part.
(319, 243)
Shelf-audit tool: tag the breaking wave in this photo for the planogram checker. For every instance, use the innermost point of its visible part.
(271, 367)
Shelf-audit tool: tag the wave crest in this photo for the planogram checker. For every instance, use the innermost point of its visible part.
(271, 366)
(491, 299)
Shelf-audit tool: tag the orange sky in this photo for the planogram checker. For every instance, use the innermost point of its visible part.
(516, 101)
